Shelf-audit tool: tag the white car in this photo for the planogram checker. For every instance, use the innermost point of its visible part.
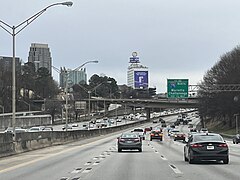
(140, 131)
(74, 125)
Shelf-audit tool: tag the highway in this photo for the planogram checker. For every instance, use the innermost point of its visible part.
(98, 159)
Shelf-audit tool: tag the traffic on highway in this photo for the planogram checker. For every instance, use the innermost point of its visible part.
(171, 152)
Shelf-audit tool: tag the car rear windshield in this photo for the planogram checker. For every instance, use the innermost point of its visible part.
(138, 130)
(129, 136)
(207, 138)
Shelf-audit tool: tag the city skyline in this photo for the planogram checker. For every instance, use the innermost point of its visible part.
(180, 40)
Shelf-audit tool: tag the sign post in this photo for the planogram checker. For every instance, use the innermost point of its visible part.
(177, 88)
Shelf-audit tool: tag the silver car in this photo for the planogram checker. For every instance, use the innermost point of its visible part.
(129, 141)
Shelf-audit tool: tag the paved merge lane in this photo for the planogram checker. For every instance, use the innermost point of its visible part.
(98, 159)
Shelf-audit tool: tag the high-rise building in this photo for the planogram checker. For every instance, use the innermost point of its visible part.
(74, 76)
(137, 74)
(40, 55)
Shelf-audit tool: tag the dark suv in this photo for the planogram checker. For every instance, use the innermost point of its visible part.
(236, 139)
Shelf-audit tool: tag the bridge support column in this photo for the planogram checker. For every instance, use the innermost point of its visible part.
(148, 112)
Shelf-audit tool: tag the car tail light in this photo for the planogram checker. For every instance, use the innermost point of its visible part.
(136, 140)
(122, 140)
(223, 145)
(196, 145)
(152, 134)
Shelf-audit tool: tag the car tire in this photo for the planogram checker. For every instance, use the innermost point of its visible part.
(119, 150)
(140, 149)
(236, 142)
(190, 159)
(226, 161)
(150, 139)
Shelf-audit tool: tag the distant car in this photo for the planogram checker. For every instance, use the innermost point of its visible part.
(74, 125)
(147, 129)
(155, 120)
(236, 139)
(47, 129)
(129, 141)
(161, 120)
(179, 136)
(119, 120)
(36, 129)
(17, 130)
(140, 131)
(172, 132)
(203, 130)
(210, 146)
(164, 125)
(156, 134)
(66, 127)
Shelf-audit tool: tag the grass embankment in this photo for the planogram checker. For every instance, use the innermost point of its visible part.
(220, 128)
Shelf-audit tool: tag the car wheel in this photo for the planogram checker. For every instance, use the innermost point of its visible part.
(161, 139)
(236, 142)
(233, 142)
(190, 159)
(226, 161)
(140, 150)
(119, 150)
(150, 139)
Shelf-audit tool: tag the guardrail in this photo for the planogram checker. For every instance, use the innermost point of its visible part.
(27, 141)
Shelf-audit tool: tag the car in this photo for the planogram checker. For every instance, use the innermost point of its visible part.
(147, 129)
(129, 141)
(179, 136)
(236, 139)
(155, 120)
(203, 130)
(161, 120)
(119, 120)
(156, 134)
(17, 130)
(36, 129)
(172, 132)
(47, 128)
(65, 127)
(209, 146)
(74, 125)
(190, 125)
(140, 131)
(164, 125)
(93, 121)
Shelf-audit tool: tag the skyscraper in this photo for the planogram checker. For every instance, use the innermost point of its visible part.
(74, 76)
(137, 74)
(40, 55)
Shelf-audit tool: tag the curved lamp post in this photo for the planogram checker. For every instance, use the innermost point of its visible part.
(66, 85)
(13, 31)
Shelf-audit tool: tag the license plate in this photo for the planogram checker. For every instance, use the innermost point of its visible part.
(156, 135)
(210, 147)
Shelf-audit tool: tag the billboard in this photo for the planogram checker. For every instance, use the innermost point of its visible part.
(141, 79)
(177, 88)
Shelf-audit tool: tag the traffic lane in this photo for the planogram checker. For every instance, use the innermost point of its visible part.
(172, 151)
(66, 158)
(133, 165)
(53, 164)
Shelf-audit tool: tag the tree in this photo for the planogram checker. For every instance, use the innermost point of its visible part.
(220, 105)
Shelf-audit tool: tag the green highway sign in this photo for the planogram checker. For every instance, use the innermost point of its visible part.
(177, 88)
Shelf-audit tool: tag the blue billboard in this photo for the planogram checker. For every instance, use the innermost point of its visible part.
(141, 79)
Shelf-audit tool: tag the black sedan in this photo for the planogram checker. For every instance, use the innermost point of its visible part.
(209, 146)
(129, 141)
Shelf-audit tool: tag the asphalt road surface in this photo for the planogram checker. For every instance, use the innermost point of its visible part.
(98, 159)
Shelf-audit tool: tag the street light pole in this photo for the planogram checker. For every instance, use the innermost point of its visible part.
(89, 106)
(22, 26)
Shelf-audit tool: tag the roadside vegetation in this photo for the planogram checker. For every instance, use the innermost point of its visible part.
(219, 93)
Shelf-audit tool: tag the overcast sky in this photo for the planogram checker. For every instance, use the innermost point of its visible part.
(174, 38)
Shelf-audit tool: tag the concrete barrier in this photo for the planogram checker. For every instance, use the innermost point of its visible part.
(27, 141)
